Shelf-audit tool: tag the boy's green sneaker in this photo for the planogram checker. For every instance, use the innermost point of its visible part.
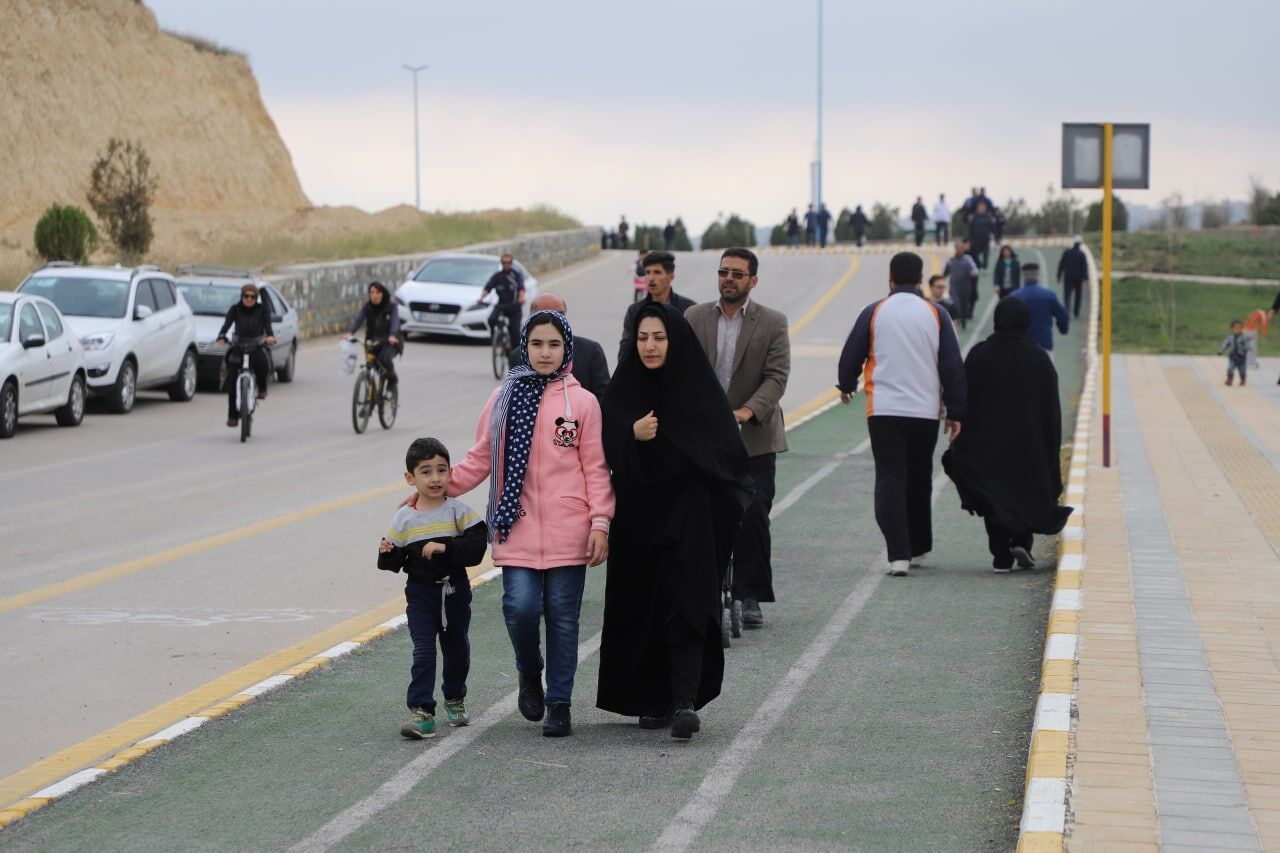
(423, 725)
(456, 711)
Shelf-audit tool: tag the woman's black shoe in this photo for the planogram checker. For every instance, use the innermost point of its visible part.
(557, 723)
(685, 723)
(531, 697)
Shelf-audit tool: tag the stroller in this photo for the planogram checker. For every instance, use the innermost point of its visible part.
(730, 610)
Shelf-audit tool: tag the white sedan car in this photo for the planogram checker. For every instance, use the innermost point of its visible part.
(41, 363)
(438, 298)
(136, 330)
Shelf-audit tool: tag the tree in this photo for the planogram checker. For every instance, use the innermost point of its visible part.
(66, 234)
(734, 231)
(1214, 214)
(1264, 208)
(884, 222)
(844, 228)
(1017, 217)
(650, 237)
(1176, 213)
(121, 189)
(1119, 216)
(1059, 213)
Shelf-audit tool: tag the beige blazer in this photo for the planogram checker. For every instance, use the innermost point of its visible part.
(761, 366)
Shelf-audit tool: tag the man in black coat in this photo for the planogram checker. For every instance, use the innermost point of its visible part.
(660, 270)
(858, 219)
(919, 216)
(669, 236)
(981, 227)
(1073, 271)
(590, 367)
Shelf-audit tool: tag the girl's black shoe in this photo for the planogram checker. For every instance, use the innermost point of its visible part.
(557, 723)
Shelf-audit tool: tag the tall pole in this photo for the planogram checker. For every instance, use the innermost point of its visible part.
(818, 200)
(1106, 294)
(417, 166)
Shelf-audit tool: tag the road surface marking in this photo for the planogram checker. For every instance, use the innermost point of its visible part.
(825, 299)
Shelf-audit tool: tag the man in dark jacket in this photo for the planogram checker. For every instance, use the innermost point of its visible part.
(824, 224)
(590, 367)
(919, 216)
(252, 318)
(1073, 271)
(1043, 307)
(859, 221)
(669, 236)
(660, 270)
(981, 227)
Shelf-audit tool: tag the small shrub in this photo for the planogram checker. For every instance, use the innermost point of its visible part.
(734, 231)
(884, 222)
(121, 189)
(65, 234)
(1119, 216)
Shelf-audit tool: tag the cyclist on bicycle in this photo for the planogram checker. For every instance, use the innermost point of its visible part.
(381, 320)
(252, 318)
(508, 284)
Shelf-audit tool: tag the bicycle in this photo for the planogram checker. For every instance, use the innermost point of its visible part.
(499, 342)
(239, 368)
(373, 391)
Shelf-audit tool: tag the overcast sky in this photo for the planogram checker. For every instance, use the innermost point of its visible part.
(705, 106)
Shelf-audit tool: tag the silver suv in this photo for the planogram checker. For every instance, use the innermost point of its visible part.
(136, 330)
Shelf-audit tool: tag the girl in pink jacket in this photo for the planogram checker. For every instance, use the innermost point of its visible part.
(539, 442)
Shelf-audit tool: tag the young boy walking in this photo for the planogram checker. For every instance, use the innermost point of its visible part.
(1236, 346)
(434, 538)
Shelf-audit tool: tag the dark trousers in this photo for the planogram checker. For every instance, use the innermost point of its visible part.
(511, 315)
(261, 367)
(981, 249)
(859, 236)
(808, 237)
(1001, 540)
(1072, 293)
(527, 596)
(940, 230)
(434, 612)
(1234, 363)
(903, 451)
(686, 674)
(822, 236)
(386, 356)
(753, 546)
(919, 233)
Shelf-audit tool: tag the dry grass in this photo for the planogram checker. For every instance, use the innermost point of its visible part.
(205, 45)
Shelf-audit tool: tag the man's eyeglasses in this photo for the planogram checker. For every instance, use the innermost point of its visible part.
(736, 275)
(249, 297)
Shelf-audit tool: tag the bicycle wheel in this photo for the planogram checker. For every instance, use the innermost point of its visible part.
(246, 406)
(498, 350)
(361, 408)
(388, 404)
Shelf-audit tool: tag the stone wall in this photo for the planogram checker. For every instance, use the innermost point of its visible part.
(328, 295)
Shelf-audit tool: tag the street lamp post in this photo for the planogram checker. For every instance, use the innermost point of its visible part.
(417, 167)
(818, 182)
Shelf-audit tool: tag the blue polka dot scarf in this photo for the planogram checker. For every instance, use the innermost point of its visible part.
(511, 423)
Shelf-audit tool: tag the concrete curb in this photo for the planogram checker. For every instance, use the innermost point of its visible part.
(894, 246)
(1048, 779)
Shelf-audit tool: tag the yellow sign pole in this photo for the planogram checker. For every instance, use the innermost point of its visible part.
(1106, 294)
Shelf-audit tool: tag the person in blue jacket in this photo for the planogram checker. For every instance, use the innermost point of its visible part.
(1007, 273)
(1044, 305)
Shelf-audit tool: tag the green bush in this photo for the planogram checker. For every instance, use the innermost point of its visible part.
(121, 189)
(65, 234)
(734, 231)
(884, 223)
(650, 237)
(1119, 216)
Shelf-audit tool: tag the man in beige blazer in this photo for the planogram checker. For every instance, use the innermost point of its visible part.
(750, 350)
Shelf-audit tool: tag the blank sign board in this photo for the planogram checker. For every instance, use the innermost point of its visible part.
(1082, 156)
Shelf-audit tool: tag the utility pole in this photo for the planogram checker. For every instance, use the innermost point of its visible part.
(417, 166)
(818, 182)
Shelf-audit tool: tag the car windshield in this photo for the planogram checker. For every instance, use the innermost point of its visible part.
(210, 300)
(81, 297)
(473, 271)
(6, 322)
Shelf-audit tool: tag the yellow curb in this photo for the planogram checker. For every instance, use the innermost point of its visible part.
(1058, 676)
(1040, 842)
(1067, 580)
(1071, 546)
(1064, 622)
(21, 809)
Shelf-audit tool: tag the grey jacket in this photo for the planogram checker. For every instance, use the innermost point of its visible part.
(761, 366)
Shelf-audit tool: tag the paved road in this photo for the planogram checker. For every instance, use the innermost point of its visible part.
(908, 734)
(147, 555)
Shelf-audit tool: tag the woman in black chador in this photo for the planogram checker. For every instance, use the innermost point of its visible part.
(680, 477)
(1006, 463)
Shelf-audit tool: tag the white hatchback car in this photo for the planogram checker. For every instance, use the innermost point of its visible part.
(41, 363)
(136, 329)
(438, 298)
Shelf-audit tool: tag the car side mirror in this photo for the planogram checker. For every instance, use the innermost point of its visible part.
(33, 342)
(142, 312)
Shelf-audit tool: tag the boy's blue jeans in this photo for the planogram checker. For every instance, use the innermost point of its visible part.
(1234, 363)
(433, 614)
(528, 595)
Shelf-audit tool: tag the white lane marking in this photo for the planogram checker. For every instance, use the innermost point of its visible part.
(815, 478)
(407, 778)
(1053, 713)
(178, 729)
(1046, 806)
(69, 784)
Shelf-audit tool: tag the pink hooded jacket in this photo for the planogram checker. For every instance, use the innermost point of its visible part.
(566, 493)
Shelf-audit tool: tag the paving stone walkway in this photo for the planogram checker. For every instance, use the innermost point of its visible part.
(1177, 744)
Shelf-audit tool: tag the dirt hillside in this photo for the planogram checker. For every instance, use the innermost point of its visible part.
(73, 73)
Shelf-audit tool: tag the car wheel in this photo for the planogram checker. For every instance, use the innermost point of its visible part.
(73, 412)
(125, 391)
(184, 387)
(8, 410)
(285, 374)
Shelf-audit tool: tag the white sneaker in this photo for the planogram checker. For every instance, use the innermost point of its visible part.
(899, 568)
(1022, 557)
(918, 560)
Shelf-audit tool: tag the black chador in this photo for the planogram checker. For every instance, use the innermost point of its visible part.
(680, 498)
